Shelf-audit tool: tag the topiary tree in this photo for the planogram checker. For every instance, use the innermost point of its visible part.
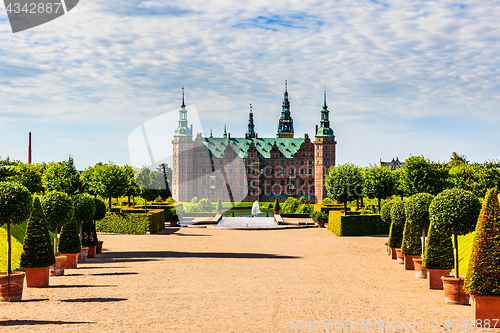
(303, 209)
(438, 249)
(378, 183)
(483, 276)
(455, 211)
(302, 201)
(219, 207)
(290, 206)
(84, 210)
(344, 183)
(398, 219)
(276, 205)
(385, 212)
(37, 248)
(58, 210)
(70, 240)
(327, 201)
(148, 184)
(417, 223)
(15, 208)
(100, 210)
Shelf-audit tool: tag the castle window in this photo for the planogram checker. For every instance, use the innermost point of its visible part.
(196, 183)
(204, 171)
(326, 162)
(272, 182)
(282, 162)
(195, 192)
(175, 170)
(182, 181)
(182, 161)
(182, 153)
(204, 182)
(301, 162)
(326, 154)
(282, 183)
(182, 170)
(317, 154)
(310, 181)
(302, 171)
(301, 182)
(273, 162)
(203, 192)
(310, 171)
(292, 162)
(182, 192)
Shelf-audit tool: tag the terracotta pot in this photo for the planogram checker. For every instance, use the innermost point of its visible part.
(434, 277)
(400, 257)
(11, 286)
(37, 277)
(393, 253)
(82, 256)
(58, 268)
(454, 290)
(174, 223)
(321, 224)
(420, 271)
(91, 253)
(486, 307)
(98, 248)
(71, 260)
(387, 249)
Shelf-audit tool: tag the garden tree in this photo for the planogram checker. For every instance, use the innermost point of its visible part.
(112, 180)
(344, 183)
(398, 219)
(385, 212)
(15, 208)
(29, 175)
(100, 213)
(289, 206)
(90, 182)
(303, 209)
(494, 167)
(70, 240)
(455, 211)
(483, 276)
(200, 206)
(6, 170)
(37, 250)
(476, 178)
(456, 159)
(327, 201)
(148, 183)
(84, 210)
(219, 207)
(417, 223)
(58, 210)
(423, 176)
(302, 201)
(166, 173)
(100, 209)
(131, 190)
(397, 181)
(276, 205)
(438, 249)
(378, 183)
(62, 177)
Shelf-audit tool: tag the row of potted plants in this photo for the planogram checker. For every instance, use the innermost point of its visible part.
(422, 228)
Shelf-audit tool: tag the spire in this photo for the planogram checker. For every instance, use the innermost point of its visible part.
(224, 135)
(183, 129)
(324, 103)
(211, 133)
(324, 128)
(285, 127)
(286, 90)
(251, 127)
(183, 105)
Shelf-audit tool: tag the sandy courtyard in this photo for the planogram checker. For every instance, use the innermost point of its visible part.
(207, 280)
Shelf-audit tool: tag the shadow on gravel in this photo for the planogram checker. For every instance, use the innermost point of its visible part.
(90, 300)
(172, 231)
(33, 300)
(118, 273)
(97, 267)
(85, 286)
(40, 322)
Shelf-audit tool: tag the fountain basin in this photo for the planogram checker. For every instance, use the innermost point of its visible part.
(247, 222)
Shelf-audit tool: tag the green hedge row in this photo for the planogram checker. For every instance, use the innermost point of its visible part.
(357, 225)
(138, 224)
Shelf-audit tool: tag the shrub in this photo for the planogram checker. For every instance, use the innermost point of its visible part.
(70, 239)
(84, 208)
(438, 249)
(483, 276)
(398, 219)
(356, 225)
(37, 247)
(385, 213)
(58, 208)
(100, 209)
(219, 206)
(290, 206)
(276, 205)
(138, 224)
(417, 220)
(303, 209)
(327, 201)
(302, 201)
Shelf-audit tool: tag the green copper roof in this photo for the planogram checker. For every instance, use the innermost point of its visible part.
(287, 146)
(322, 131)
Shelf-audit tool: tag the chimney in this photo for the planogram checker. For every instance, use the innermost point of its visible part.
(191, 129)
(316, 131)
(229, 136)
(256, 135)
(29, 150)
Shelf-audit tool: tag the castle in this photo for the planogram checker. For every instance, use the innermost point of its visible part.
(252, 168)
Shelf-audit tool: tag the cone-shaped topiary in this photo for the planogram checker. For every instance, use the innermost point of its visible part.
(89, 233)
(398, 219)
(483, 276)
(37, 247)
(417, 222)
(438, 249)
(276, 205)
(58, 210)
(100, 210)
(70, 240)
(219, 206)
(455, 211)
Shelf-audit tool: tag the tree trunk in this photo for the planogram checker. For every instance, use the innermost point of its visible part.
(402, 198)
(357, 204)
(362, 204)
(379, 203)
(9, 251)
(55, 241)
(145, 205)
(133, 200)
(128, 200)
(109, 204)
(345, 208)
(455, 250)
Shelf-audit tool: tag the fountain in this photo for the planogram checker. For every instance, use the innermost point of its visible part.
(257, 221)
(256, 210)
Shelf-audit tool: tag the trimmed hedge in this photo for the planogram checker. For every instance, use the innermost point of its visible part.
(398, 219)
(417, 218)
(356, 225)
(70, 238)
(138, 224)
(438, 249)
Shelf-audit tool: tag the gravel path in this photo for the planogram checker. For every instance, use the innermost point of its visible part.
(209, 280)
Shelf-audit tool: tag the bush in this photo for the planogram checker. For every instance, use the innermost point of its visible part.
(398, 219)
(438, 249)
(385, 213)
(201, 206)
(70, 238)
(270, 206)
(100, 209)
(89, 233)
(290, 206)
(303, 209)
(302, 201)
(327, 201)
(58, 208)
(138, 224)
(276, 205)
(483, 276)
(84, 208)
(37, 247)
(356, 225)
(417, 218)
(15, 203)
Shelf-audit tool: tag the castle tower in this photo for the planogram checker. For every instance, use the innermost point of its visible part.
(182, 146)
(324, 152)
(285, 126)
(251, 128)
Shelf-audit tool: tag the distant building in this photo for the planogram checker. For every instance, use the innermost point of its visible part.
(393, 165)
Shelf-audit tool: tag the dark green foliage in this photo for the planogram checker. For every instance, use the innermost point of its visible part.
(171, 214)
(29, 175)
(219, 206)
(58, 208)
(137, 224)
(62, 177)
(270, 206)
(357, 225)
(385, 213)
(455, 210)
(477, 178)
(438, 249)
(148, 182)
(302, 201)
(69, 241)
(344, 183)
(303, 209)
(290, 206)
(378, 182)
(100, 209)
(417, 218)
(200, 206)
(327, 201)
(15, 203)
(483, 276)
(89, 234)
(37, 245)
(398, 219)
(276, 205)
(319, 216)
(421, 175)
(84, 208)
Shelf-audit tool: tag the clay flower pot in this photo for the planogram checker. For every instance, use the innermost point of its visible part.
(98, 248)
(486, 307)
(174, 223)
(387, 249)
(11, 286)
(91, 253)
(420, 271)
(400, 257)
(454, 290)
(37, 277)
(393, 253)
(82, 256)
(409, 262)
(321, 224)
(71, 260)
(434, 276)
(58, 268)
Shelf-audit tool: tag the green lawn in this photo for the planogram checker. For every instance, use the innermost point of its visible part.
(17, 234)
(464, 252)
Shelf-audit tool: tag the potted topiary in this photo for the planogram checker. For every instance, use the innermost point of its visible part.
(417, 222)
(58, 210)
(70, 245)
(276, 207)
(37, 253)
(398, 219)
(219, 207)
(15, 208)
(438, 256)
(84, 213)
(100, 213)
(455, 211)
(483, 277)
(385, 215)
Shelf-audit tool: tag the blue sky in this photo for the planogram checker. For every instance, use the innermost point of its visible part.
(403, 77)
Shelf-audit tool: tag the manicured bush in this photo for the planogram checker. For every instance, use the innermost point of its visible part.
(303, 209)
(219, 206)
(356, 225)
(37, 247)
(302, 201)
(483, 276)
(89, 233)
(70, 239)
(84, 208)
(290, 206)
(58, 210)
(417, 221)
(138, 224)
(100, 209)
(385, 212)
(327, 201)
(276, 205)
(398, 219)
(438, 249)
